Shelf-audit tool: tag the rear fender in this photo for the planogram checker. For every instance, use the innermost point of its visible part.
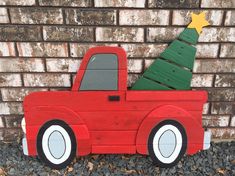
(192, 127)
(38, 116)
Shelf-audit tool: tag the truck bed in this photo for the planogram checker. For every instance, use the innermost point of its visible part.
(193, 95)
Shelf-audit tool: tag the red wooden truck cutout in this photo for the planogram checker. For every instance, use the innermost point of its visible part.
(99, 115)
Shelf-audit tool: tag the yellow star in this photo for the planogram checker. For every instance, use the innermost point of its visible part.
(198, 22)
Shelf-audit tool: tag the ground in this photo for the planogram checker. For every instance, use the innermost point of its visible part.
(218, 160)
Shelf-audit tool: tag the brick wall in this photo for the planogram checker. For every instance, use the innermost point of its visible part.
(42, 43)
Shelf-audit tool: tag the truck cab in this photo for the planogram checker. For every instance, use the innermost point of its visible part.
(102, 69)
(99, 115)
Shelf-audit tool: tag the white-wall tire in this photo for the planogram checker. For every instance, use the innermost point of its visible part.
(56, 144)
(167, 143)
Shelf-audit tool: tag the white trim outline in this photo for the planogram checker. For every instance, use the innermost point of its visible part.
(178, 145)
(45, 145)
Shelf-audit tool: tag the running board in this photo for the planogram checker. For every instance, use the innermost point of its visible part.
(114, 149)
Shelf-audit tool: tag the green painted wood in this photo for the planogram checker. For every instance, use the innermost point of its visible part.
(189, 35)
(170, 70)
(146, 84)
(169, 74)
(180, 53)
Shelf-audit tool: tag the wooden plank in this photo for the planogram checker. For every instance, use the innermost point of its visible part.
(147, 84)
(189, 35)
(113, 137)
(170, 96)
(169, 74)
(113, 120)
(97, 102)
(180, 53)
(129, 149)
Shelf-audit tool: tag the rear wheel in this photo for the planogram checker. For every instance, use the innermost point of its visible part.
(56, 144)
(167, 143)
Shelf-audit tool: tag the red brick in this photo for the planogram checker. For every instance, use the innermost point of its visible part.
(202, 80)
(173, 4)
(227, 50)
(17, 94)
(80, 49)
(11, 108)
(144, 17)
(143, 50)
(3, 15)
(217, 4)
(223, 108)
(135, 65)
(233, 121)
(78, 34)
(1, 123)
(183, 17)
(18, 2)
(10, 80)
(216, 120)
(21, 65)
(132, 79)
(163, 34)
(120, 3)
(223, 133)
(42, 49)
(36, 16)
(7, 49)
(63, 65)
(13, 121)
(230, 18)
(214, 66)
(119, 34)
(47, 80)
(90, 17)
(217, 35)
(11, 134)
(226, 80)
(73, 3)
(207, 50)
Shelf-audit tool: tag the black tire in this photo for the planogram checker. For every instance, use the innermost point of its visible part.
(66, 134)
(157, 137)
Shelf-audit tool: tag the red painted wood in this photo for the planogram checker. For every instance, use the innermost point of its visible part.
(93, 101)
(113, 120)
(114, 149)
(113, 137)
(167, 95)
(192, 125)
(122, 64)
(103, 126)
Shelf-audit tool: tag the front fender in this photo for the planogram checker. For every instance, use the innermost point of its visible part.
(40, 114)
(36, 117)
(192, 127)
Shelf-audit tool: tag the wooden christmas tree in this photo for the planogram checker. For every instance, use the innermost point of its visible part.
(173, 69)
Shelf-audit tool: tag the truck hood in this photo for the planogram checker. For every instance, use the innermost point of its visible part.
(46, 98)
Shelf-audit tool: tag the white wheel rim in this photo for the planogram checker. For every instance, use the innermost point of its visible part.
(56, 144)
(167, 143)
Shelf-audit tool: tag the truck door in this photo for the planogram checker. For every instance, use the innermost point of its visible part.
(103, 103)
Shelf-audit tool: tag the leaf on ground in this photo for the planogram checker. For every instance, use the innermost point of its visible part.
(70, 169)
(90, 166)
(221, 171)
(2, 173)
(130, 171)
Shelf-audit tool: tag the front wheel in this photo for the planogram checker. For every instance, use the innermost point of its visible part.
(56, 144)
(167, 143)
